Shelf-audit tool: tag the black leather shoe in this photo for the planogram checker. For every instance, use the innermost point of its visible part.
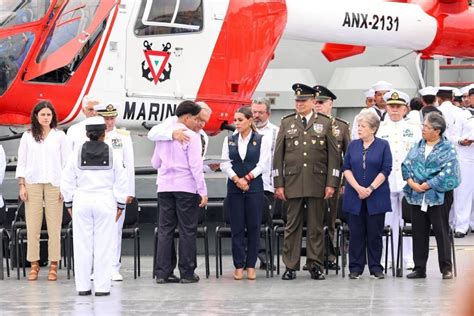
(416, 275)
(377, 275)
(459, 235)
(263, 266)
(354, 275)
(102, 293)
(447, 275)
(193, 279)
(305, 267)
(85, 293)
(289, 274)
(172, 278)
(331, 265)
(315, 272)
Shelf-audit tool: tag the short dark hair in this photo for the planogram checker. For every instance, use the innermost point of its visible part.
(415, 104)
(470, 92)
(187, 107)
(436, 121)
(429, 99)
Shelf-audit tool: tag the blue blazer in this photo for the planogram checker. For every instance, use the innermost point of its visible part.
(378, 160)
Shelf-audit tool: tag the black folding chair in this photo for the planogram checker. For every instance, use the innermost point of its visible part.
(407, 231)
(4, 248)
(132, 231)
(225, 232)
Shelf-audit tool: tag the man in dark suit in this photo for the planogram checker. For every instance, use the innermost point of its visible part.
(306, 172)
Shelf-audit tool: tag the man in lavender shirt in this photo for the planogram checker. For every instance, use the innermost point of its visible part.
(181, 191)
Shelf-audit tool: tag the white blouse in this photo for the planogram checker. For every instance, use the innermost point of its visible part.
(42, 162)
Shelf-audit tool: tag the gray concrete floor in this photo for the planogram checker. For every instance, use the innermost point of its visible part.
(334, 296)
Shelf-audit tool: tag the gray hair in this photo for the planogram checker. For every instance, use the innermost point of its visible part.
(204, 106)
(263, 101)
(436, 121)
(89, 99)
(370, 118)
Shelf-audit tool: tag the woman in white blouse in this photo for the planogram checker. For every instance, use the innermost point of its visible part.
(42, 155)
(249, 157)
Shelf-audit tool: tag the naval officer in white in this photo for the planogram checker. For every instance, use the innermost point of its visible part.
(94, 186)
(401, 135)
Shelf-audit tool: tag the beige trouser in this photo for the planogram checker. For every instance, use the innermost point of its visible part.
(37, 194)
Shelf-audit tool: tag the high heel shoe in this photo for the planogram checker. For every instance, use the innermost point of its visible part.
(53, 271)
(238, 274)
(33, 274)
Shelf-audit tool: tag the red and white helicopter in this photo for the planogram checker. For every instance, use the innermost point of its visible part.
(148, 55)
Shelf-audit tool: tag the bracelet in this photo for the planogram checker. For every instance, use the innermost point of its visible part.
(249, 177)
(372, 187)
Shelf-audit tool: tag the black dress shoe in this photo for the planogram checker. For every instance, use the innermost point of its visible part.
(377, 275)
(447, 275)
(85, 293)
(263, 266)
(354, 275)
(172, 278)
(289, 274)
(315, 272)
(193, 279)
(102, 293)
(331, 265)
(416, 275)
(305, 267)
(459, 235)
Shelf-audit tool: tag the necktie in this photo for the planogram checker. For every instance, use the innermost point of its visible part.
(203, 144)
(304, 122)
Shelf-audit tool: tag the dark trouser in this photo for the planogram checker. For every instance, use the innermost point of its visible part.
(294, 231)
(438, 217)
(177, 209)
(365, 240)
(271, 200)
(330, 220)
(245, 212)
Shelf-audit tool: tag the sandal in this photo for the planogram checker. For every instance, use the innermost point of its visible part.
(33, 275)
(53, 271)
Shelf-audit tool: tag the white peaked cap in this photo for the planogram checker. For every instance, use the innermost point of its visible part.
(457, 92)
(382, 86)
(466, 89)
(428, 91)
(369, 93)
(396, 97)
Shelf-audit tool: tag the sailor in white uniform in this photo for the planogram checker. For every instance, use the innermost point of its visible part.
(94, 186)
(121, 143)
(369, 102)
(401, 135)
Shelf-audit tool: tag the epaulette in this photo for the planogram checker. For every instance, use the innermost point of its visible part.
(342, 121)
(323, 115)
(289, 115)
(123, 132)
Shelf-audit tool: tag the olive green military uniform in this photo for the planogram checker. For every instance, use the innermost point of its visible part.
(341, 131)
(306, 161)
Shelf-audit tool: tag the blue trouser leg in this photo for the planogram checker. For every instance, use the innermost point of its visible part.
(253, 219)
(236, 204)
(357, 240)
(375, 225)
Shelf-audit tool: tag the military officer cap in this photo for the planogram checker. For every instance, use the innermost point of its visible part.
(303, 92)
(95, 123)
(382, 86)
(465, 90)
(445, 92)
(428, 91)
(395, 97)
(369, 93)
(322, 93)
(106, 109)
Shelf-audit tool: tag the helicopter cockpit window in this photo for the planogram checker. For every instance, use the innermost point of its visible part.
(74, 19)
(13, 50)
(14, 12)
(157, 17)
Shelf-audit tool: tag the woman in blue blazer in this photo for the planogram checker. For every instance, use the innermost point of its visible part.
(367, 165)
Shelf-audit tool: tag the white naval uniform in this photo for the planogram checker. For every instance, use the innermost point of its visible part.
(76, 135)
(464, 193)
(121, 143)
(95, 196)
(401, 136)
